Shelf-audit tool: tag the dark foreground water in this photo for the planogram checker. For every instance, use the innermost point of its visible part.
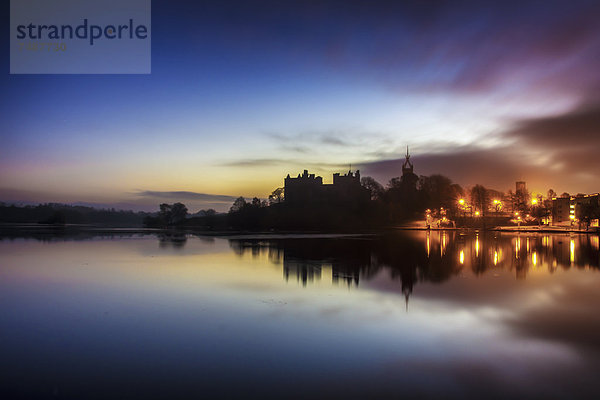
(437, 314)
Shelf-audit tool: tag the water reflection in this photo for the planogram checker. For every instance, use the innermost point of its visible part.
(160, 315)
(172, 239)
(413, 257)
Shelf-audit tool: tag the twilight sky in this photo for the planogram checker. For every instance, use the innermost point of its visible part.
(242, 94)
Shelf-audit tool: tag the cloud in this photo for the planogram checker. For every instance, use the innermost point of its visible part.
(285, 163)
(184, 195)
(558, 151)
(436, 45)
(571, 139)
(261, 162)
(326, 141)
(467, 165)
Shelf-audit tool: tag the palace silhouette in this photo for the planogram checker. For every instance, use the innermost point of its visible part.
(346, 190)
(308, 189)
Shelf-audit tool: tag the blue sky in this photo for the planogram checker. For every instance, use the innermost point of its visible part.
(242, 94)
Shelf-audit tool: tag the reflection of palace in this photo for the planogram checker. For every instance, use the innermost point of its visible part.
(350, 260)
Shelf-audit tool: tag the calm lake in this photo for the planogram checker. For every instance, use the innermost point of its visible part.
(429, 314)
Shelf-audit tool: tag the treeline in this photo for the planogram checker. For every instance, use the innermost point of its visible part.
(177, 216)
(259, 215)
(61, 214)
(401, 200)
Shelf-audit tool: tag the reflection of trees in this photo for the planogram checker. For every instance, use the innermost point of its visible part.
(49, 234)
(171, 239)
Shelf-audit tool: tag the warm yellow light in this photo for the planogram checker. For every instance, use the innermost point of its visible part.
(496, 201)
(572, 216)
(534, 258)
(461, 201)
(534, 201)
(477, 213)
(462, 257)
(516, 214)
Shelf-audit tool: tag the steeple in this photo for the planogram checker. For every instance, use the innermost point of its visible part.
(407, 166)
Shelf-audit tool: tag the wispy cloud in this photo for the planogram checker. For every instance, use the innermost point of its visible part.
(259, 162)
(325, 142)
(250, 162)
(185, 195)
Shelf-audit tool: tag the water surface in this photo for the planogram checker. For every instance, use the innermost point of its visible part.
(439, 314)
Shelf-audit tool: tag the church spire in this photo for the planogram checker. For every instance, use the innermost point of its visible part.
(407, 166)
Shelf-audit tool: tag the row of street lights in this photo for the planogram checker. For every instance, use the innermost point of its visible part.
(497, 207)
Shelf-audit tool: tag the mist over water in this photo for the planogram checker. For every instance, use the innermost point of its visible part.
(411, 313)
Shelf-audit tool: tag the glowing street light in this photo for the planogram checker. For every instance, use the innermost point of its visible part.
(534, 201)
(461, 202)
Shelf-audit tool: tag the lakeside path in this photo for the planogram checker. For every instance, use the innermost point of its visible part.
(420, 225)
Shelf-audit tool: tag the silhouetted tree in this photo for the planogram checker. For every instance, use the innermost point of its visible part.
(178, 213)
(238, 205)
(375, 188)
(480, 198)
(277, 196)
(171, 214)
(586, 212)
(210, 212)
(57, 218)
(438, 191)
(256, 203)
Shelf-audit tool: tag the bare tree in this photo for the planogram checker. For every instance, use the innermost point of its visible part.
(374, 187)
(238, 205)
(277, 196)
(480, 198)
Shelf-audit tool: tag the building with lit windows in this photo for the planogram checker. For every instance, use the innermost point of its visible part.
(566, 211)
